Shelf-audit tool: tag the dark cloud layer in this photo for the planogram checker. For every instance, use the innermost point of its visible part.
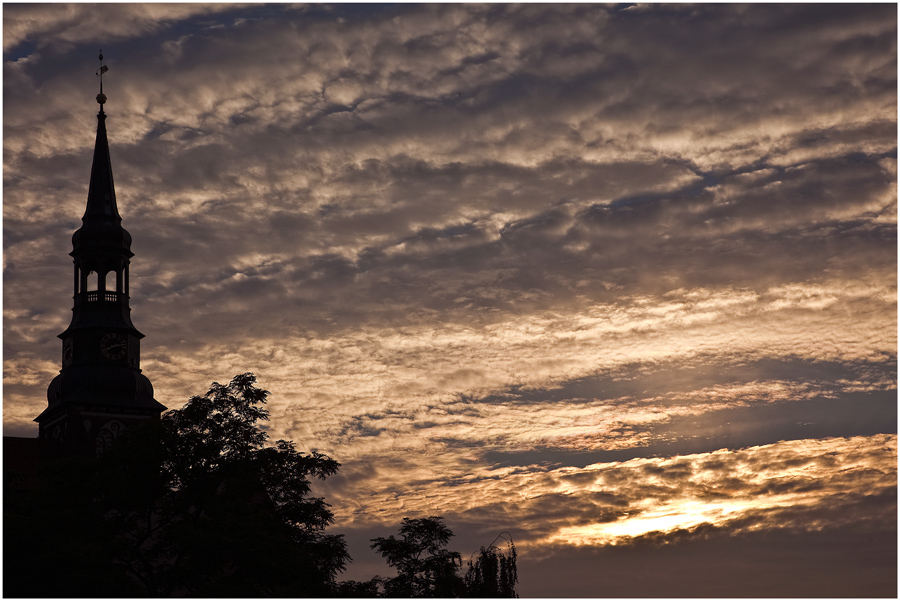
(844, 562)
(476, 251)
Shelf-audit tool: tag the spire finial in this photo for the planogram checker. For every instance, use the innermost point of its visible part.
(101, 98)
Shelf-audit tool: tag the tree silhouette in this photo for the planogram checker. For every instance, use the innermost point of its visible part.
(194, 505)
(493, 572)
(424, 567)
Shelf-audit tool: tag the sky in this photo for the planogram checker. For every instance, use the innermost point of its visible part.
(618, 280)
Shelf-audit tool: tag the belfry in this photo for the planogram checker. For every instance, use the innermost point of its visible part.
(100, 390)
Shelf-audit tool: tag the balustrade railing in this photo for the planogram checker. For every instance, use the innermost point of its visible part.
(96, 296)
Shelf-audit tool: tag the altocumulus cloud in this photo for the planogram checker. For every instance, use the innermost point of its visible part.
(615, 279)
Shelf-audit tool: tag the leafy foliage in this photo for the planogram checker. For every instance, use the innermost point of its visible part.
(493, 573)
(424, 567)
(195, 505)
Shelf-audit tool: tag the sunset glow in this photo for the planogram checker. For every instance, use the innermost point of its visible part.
(719, 502)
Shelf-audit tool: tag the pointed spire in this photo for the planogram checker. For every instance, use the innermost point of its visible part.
(102, 192)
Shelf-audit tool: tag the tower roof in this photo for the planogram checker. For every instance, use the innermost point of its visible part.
(102, 192)
(102, 224)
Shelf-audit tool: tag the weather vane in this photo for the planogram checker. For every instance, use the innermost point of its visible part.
(103, 69)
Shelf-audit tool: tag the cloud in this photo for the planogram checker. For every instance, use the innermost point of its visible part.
(799, 488)
(721, 564)
(74, 24)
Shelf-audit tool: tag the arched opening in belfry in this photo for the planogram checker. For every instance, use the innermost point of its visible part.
(109, 281)
(93, 281)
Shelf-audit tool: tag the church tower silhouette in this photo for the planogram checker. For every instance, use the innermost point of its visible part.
(100, 390)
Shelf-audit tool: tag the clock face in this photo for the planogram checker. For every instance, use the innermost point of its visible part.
(67, 351)
(113, 346)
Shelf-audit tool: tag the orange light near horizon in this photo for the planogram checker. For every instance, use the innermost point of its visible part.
(683, 514)
(791, 475)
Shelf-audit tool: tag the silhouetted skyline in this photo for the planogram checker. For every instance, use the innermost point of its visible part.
(620, 280)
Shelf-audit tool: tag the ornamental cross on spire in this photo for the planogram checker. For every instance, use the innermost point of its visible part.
(101, 99)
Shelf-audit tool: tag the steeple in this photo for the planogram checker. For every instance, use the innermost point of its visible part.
(102, 191)
(100, 390)
(102, 224)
